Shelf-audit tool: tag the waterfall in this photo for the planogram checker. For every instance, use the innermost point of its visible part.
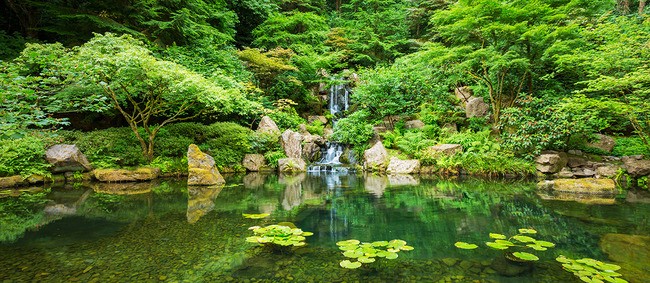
(339, 101)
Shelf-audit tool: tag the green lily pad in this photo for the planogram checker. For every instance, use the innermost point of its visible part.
(397, 243)
(562, 259)
(406, 248)
(545, 244)
(536, 247)
(527, 231)
(391, 255)
(525, 256)
(307, 234)
(496, 246)
(255, 216)
(348, 242)
(353, 254)
(504, 242)
(364, 259)
(524, 239)
(497, 236)
(350, 265)
(465, 246)
(380, 243)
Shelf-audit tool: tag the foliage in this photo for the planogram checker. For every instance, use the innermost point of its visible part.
(272, 157)
(264, 142)
(629, 146)
(18, 214)
(228, 143)
(285, 30)
(354, 129)
(24, 156)
(175, 165)
(278, 235)
(591, 270)
(519, 242)
(316, 128)
(368, 252)
(108, 148)
(284, 115)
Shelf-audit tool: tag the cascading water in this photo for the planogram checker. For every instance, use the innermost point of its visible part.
(339, 101)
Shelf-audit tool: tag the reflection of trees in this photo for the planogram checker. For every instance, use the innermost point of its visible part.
(21, 213)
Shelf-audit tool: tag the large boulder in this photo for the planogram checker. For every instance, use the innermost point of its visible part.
(267, 125)
(631, 252)
(291, 144)
(124, 175)
(637, 168)
(291, 165)
(376, 158)
(201, 168)
(550, 162)
(397, 166)
(476, 107)
(12, 181)
(311, 152)
(463, 93)
(321, 119)
(414, 124)
(607, 171)
(253, 162)
(447, 149)
(67, 158)
(580, 186)
(603, 142)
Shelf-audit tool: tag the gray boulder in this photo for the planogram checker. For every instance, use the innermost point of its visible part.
(124, 175)
(67, 158)
(253, 162)
(397, 166)
(550, 162)
(291, 144)
(476, 107)
(201, 168)
(463, 93)
(607, 171)
(290, 165)
(414, 124)
(448, 149)
(636, 167)
(322, 119)
(267, 125)
(603, 142)
(376, 158)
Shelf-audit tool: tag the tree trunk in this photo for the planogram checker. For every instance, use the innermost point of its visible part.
(641, 7)
(623, 6)
(26, 16)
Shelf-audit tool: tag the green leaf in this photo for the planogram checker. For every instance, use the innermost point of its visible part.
(497, 236)
(496, 246)
(350, 265)
(545, 244)
(406, 248)
(536, 247)
(465, 246)
(348, 242)
(524, 239)
(527, 231)
(364, 259)
(525, 256)
(391, 255)
(353, 254)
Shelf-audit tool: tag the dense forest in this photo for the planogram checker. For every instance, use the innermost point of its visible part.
(135, 82)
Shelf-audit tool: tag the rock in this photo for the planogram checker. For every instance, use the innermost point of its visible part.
(580, 186)
(414, 124)
(550, 162)
(125, 175)
(397, 166)
(302, 129)
(309, 138)
(376, 158)
(637, 168)
(583, 172)
(445, 149)
(638, 196)
(12, 181)
(327, 133)
(267, 125)
(289, 165)
(607, 171)
(312, 119)
(59, 210)
(449, 261)
(575, 152)
(631, 252)
(292, 144)
(311, 152)
(476, 107)
(463, 93)
(253, 162)
(67, 158)
(450, 128)
(565, 173)
(574, 161)
(254, 180)
(201, 168)
(603, 142)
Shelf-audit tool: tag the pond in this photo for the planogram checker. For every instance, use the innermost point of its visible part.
(167, 232)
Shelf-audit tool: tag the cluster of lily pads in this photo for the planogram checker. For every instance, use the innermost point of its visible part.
(519, 241)
(591, 270)
(278, 235)
(368, 252)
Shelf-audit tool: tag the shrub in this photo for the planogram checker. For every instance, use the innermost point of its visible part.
(113, 147)
(630, 146)
(354, 129)
(272, 157)
(264, 142)
(228, 143)
(24, 156)
(316, 128)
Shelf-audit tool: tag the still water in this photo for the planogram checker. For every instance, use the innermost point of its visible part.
(167, 232)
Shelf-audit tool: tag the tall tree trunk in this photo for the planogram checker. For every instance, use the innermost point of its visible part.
(623, 6)
(26, 16)
(641, 7)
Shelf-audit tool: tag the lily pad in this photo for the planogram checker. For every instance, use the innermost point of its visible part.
(497, 236)
(406, 248)
(255, 216)
(525, 256)
(364, 259)
(545, 244)
(348, 242)
(350, 265)
(536, 247)
(391, 255)
(524, 239)
(527, 231)
(380, 243)
(465, 246)
(496, 246)
(353, 254)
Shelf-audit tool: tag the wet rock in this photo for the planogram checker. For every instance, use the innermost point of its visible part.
(397, 166)
(444, 149)
(637, 168)
(201, 168)
(311, 152)
(289, 165)
(550, 162)
(631, 252)
(565, 173)
(12, 181)
(449, 261)
(253, 162)
(603, 142)
(476, 107)
(67, 158)
(291, 144)
(580, 186)
(607, 171)
(583, 172)
(267, 125)
(125, 175)
(507, 267)
(414, 124)
(376, 158)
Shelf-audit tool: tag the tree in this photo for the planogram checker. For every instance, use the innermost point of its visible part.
(148, 92)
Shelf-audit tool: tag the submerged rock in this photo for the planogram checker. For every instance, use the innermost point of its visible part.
(580, 186)
(201, 168)
(67, 158)
(376, 158)
(125, 175)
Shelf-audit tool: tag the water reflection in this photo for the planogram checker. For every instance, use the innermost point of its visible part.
(200, 201)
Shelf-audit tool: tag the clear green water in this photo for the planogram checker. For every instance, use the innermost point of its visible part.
(171, 233)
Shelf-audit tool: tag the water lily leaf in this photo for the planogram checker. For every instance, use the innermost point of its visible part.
(562, 259)
(393, 250)
(504, 242)
(391, 255)
(380, 243)
(496, 246)
(307, 233)
(350, 265)
(524, 239)
(348, 242)
(497, 236)
(252, 239)
(465, 246)
(536, 247)
(299, 244)
(527, 231)
(348, 248)
(608, 266)
(254, 227)
(255, 216)
(353, 254)
(397, 243)
(287, 224)
(525, 256)
(406, 248)
(545, 244)
(364, 259)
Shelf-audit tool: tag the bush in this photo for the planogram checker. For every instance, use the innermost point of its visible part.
(228, 143)
(630, 146)
(355, 129)
(24, 156)
(316, 128)
(264, 142)
(272, 157)
(113, 147)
